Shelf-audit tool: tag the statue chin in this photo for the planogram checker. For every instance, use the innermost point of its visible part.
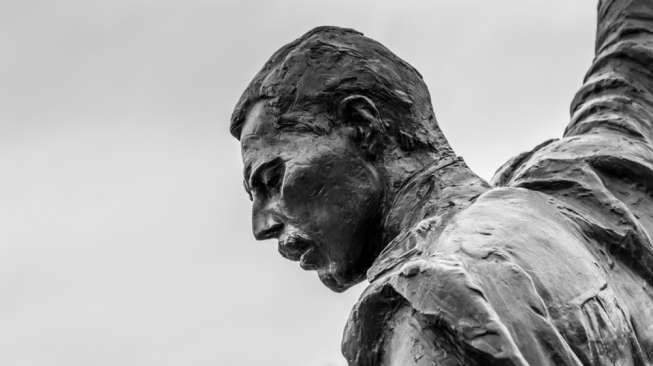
(330, 281)
(336, 282)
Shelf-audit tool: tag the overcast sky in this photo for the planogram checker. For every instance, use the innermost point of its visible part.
(125, 235)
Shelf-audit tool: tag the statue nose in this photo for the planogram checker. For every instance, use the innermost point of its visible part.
(266, 227)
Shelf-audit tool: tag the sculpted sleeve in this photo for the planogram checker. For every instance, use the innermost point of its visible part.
(612, 113)
(617, 94)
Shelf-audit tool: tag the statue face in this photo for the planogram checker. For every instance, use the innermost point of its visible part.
(316, 194)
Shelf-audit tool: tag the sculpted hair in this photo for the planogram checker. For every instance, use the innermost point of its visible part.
(314, 73)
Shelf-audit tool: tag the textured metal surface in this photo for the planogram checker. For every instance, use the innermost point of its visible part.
(551, 264)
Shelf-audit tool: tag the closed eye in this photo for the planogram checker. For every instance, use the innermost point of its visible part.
(268, 176)
(273, 176)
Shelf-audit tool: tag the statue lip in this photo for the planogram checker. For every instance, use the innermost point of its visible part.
(297, 248)
(309, 260)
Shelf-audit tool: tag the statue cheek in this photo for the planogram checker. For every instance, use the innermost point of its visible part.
(301, 188)
(327, 190)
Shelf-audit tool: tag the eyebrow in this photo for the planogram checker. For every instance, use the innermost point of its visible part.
(296, 122)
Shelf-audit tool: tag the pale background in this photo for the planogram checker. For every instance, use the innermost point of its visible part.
(124, 228)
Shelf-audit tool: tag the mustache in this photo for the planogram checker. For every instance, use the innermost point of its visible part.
(294, 245)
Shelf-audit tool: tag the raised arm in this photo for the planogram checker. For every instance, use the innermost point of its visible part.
(617, 94)
(602, 169)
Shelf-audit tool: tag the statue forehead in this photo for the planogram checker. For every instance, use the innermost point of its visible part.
(256, 136)
(260, 136)
(259, 121)
(267, 120)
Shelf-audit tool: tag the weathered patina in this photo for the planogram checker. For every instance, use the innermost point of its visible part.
(549, 264)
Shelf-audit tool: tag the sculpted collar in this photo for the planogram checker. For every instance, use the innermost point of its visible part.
(432, 195)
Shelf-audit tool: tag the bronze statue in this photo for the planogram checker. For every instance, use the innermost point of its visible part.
(549, 264)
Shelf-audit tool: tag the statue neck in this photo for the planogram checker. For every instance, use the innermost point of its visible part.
(444, 186)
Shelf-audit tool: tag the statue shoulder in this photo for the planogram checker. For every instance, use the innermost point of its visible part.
(451, 306)
(429, 286)
(560, 159)
(490, 222)
(412, 315)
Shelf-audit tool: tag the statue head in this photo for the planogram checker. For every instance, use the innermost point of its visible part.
(323, 127)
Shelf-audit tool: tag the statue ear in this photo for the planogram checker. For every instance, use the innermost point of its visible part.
(360, 112)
